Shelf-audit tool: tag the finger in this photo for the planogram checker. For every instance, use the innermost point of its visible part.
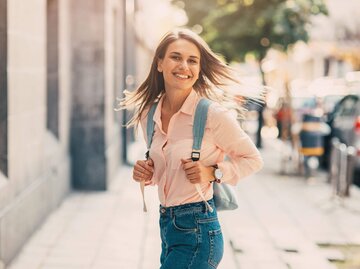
(150, 162)
(195, 180)
(142, 175)
(186, 160)
(189, 165)
(149, 166)
(140, 178)
(137, 175)
(143, 164)
(192, 171)
(148, 182)
(193, 177)
(140, 163)
(145, 170)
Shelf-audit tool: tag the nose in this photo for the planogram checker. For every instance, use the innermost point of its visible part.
(184, 65)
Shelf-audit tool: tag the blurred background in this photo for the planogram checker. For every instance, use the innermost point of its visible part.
(64, 64)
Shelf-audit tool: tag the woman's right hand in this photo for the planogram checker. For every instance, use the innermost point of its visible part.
(143, 170)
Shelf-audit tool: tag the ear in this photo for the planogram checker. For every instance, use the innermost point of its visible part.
(159, 65)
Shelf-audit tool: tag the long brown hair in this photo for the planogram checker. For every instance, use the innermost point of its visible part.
(212, 83)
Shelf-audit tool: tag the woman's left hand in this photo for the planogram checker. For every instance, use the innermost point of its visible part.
(196, 172)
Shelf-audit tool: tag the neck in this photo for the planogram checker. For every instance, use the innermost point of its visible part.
(173, 100)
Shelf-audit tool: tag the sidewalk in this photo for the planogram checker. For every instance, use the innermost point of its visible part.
(280, 222)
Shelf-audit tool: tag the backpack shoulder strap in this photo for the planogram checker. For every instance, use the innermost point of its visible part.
(198, 134)
(150, 127)
(199, 127)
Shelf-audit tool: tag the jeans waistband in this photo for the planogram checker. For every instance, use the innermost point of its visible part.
(185, 208)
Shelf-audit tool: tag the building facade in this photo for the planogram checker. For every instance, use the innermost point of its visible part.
(62, 65)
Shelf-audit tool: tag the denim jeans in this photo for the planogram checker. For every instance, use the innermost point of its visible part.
(191, 237)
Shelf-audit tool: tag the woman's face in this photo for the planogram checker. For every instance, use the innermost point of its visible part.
(180, 66)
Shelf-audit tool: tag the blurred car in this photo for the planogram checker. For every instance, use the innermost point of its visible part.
(302, 105)
(329, 102)
(344, 122)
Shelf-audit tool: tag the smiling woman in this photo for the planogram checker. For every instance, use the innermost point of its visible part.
(183, 72)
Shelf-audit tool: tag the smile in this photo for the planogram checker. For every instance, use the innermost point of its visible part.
(182, 76)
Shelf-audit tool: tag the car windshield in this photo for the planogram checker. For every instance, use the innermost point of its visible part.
(303, 103)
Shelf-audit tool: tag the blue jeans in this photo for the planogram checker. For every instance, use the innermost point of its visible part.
(191, 237)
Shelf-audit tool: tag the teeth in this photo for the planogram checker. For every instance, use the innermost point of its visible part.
(181, 76)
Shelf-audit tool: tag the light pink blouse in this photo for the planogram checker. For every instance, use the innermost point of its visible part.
(223, 136)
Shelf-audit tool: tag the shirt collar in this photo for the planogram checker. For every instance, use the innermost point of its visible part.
(188, 106)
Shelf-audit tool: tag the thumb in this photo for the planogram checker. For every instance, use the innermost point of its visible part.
(185, 160)
(150, 162)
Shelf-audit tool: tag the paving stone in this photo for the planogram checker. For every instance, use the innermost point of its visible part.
(74, 260)
(308, 264)
(55, 266)
(254, 263)
(24, 262)
(271, 265)
(333, 254)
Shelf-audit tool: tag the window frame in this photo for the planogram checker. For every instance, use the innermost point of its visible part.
(3, 90)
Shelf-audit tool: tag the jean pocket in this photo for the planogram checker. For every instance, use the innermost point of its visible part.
(208, 220)
(216, 247)
(185, 223)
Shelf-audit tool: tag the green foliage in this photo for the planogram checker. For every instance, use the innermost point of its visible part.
(237, 27)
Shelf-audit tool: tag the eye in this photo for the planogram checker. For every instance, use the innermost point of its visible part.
(193, 61)
(176, 58)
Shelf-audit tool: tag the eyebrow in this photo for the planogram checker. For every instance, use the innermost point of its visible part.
(178, 53)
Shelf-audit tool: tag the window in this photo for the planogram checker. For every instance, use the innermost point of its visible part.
(3, 89)
(52, 53)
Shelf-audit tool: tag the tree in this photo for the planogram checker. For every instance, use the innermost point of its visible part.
(236, 28)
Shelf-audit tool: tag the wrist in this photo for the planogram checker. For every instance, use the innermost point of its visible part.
(217, 174)
(211, 178)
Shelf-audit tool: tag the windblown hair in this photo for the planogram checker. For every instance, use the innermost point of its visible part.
(214, 79)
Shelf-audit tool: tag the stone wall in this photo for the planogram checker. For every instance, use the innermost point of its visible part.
(38, 161)
(62, 66)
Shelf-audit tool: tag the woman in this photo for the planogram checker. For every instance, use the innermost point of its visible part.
(183, 70)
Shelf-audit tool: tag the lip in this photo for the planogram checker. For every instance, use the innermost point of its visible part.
(182, 76)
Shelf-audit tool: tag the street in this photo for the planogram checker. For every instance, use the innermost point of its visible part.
(283, 222)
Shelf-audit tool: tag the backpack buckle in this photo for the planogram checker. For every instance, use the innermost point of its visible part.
(195, 156)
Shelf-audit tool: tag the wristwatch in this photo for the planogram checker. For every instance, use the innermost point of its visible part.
(218, 174)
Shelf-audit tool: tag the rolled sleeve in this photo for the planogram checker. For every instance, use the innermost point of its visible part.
(243, 158)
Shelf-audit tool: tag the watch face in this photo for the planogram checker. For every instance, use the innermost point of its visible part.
(218, 174)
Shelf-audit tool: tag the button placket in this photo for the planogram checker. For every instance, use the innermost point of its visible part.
(165, 163)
